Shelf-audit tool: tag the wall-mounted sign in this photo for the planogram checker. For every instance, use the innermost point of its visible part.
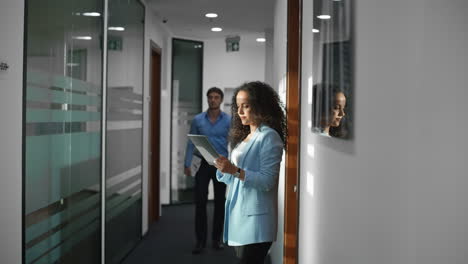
(114, 43)
(4, 66)
(232, 43)
(3, 69)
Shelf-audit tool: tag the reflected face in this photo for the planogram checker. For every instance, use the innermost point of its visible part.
(214, 100)
(337, 112)
(243, 108)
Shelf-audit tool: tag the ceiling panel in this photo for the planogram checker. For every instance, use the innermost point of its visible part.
(186, 18)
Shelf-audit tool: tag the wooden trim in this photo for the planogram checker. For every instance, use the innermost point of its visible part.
(154, 135)
(291, 203)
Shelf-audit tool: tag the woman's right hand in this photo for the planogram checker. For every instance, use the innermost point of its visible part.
(224, 165)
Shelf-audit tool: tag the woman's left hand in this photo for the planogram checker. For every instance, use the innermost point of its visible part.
(224, 165)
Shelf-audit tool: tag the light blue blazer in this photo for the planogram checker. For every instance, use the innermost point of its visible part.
(251, 212)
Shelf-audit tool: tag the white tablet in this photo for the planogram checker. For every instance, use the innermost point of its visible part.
(204, 147)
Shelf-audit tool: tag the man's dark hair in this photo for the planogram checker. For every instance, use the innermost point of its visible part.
(215, 90)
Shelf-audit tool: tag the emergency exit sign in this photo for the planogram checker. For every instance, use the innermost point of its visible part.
(232, 43)
(114, 43)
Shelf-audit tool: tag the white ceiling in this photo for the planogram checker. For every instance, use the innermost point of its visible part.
(186, 18)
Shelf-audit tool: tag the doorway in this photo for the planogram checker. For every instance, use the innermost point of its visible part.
(154, 135)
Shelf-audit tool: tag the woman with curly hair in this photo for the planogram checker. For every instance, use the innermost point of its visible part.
(329, 110)
(257, 138)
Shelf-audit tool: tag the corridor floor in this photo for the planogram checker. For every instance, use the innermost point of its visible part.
(170, 241)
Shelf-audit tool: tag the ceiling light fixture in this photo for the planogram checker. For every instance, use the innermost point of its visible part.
(117, 28)
(261, 39)
(324, 17)
(314, 30)
(91, 14)
(82, 38)
(216, 29)
(211, 15)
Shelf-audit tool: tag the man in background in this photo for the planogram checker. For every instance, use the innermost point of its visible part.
(214, 124)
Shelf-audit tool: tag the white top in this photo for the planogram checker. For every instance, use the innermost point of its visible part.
(235, 154)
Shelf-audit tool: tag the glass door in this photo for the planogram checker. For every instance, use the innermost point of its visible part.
(187, 77)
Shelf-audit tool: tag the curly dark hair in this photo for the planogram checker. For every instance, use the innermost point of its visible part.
(267, 109)
(324, 101)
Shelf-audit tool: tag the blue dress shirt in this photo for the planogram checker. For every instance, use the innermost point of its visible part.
(217, 133)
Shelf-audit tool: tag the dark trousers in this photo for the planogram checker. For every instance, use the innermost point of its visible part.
(202, 180)
(252, 253)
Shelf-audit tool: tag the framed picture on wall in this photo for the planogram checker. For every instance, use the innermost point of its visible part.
(332, 56)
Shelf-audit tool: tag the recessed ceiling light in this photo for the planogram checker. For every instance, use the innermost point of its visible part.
(261, 39)
(82, 37)
(216, 29)
(91, 14)
(324, 16)
(211, 15)
(117, 28)
(314, 30)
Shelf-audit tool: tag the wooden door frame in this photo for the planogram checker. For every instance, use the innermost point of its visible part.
(154, 201)
(293, 87)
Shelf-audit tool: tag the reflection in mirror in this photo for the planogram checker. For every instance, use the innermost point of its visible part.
(332, 89)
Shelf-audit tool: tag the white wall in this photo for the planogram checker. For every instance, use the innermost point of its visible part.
(437, 153)
(279, 83)
(159, 35)
(11, 104)
(231, 69)
(395, 193)
(269, 57)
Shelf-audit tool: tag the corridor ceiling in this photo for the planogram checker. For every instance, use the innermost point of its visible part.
(186, 18)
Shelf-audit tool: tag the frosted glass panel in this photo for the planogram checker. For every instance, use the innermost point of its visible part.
(63, 135)
(124, 127)
(187, 70)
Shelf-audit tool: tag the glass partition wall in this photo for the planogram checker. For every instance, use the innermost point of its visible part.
(124, 127)
(63, 132)
(63, 136)
(187, 74)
